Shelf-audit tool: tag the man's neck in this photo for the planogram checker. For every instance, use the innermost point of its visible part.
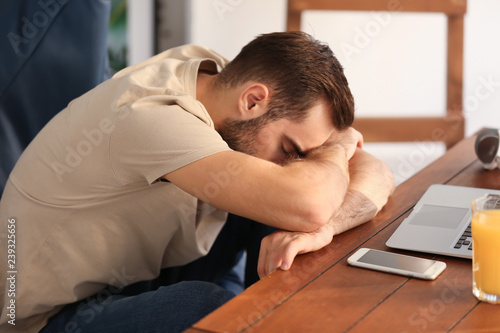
(210, 96)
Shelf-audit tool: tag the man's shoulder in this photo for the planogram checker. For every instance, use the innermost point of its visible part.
(193, 51)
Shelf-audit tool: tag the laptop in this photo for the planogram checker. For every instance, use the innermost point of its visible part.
(440, 222)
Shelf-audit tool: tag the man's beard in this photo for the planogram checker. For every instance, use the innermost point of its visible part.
(241, 135)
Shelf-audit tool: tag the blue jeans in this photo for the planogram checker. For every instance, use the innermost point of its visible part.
(179, 297)
(168, 309)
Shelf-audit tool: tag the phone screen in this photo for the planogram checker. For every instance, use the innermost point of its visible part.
(395, 261)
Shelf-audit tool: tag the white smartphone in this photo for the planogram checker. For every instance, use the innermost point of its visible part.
(397, 263)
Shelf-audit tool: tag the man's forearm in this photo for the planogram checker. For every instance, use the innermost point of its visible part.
(299, 196)
(371, 184)
(355, 210)
(329, 164)
(319, 181)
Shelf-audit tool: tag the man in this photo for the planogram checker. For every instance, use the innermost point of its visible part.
(138, 174)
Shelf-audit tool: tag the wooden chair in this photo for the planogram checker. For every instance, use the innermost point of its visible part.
(448, 129)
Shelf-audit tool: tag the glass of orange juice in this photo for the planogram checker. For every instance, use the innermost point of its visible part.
(486, 248)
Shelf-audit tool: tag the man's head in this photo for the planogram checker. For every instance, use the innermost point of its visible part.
(289, 74)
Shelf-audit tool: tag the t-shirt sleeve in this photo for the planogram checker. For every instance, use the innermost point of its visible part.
(153, 140)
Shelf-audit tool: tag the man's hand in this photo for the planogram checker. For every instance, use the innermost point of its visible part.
(370, 186)
(350, 139)
(279, 249)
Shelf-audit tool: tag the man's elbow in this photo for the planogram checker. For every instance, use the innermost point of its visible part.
(313, 219)
(317, 210)
(316, 196)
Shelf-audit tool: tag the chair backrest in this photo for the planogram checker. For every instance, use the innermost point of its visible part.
(449, 128)
(51, 52)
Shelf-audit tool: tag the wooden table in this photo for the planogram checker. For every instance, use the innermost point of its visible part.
(321, 293)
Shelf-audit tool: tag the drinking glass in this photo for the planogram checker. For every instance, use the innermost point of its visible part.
(486, 248)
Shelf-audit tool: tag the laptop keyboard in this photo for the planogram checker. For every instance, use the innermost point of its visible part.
(466, 239)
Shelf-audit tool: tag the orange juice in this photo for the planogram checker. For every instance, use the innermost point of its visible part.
(486, 251)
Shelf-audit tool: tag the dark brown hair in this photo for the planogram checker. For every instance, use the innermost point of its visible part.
(300, 72)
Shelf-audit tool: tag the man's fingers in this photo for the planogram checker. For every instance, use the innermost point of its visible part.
(273, 264)
(290, 252)
(269, 256)
(280, 249)
(272, 252)
(267, 264)
(261, 270)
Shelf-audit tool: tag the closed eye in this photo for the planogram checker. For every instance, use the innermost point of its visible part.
(292, 152)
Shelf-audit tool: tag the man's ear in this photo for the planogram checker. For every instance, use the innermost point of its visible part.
(253, 101)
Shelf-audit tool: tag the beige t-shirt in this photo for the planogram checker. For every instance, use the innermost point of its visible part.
(84, 202)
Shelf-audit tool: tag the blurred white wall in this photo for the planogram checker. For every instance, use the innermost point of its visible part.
(395, 62)
(140, 35)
